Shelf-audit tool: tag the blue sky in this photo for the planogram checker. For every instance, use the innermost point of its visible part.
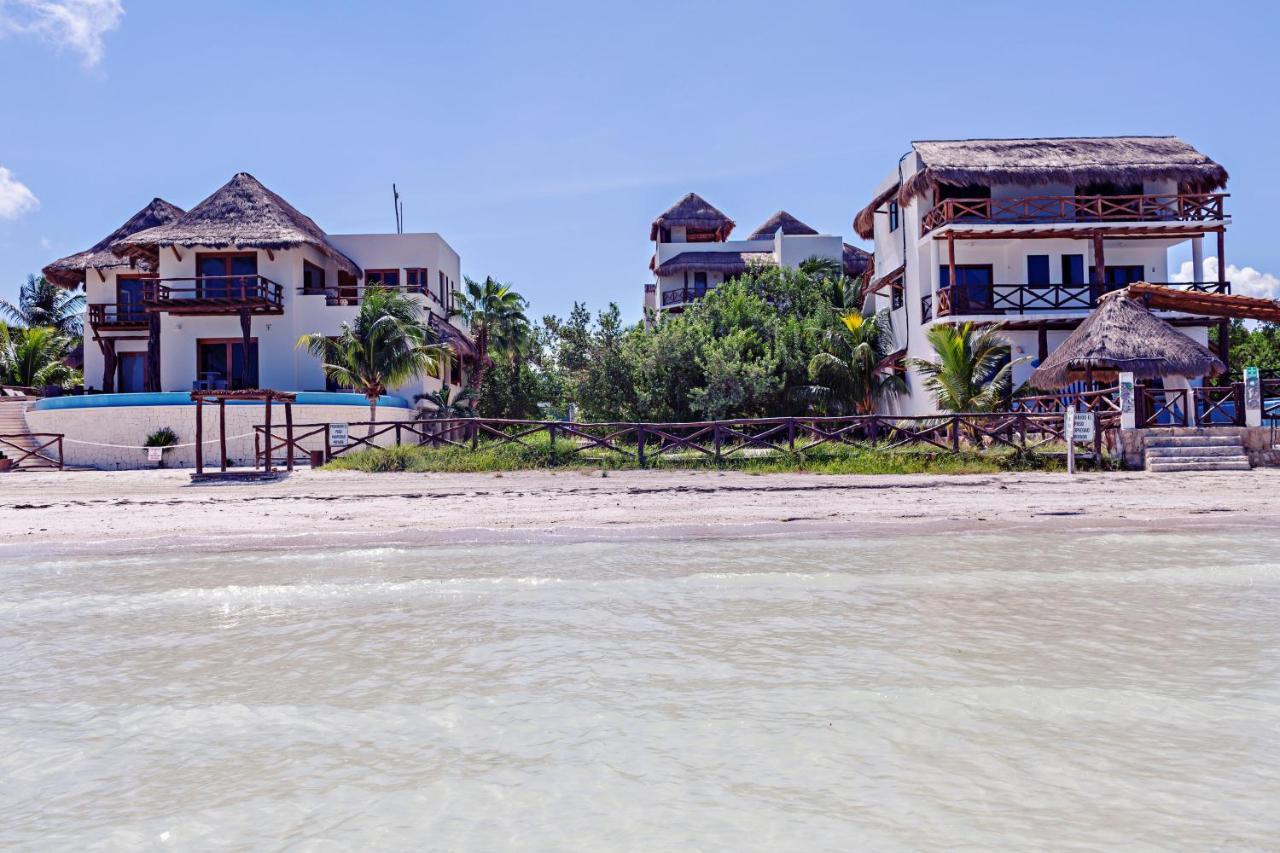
(541, 139)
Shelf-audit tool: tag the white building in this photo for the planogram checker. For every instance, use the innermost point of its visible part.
(692, 252)
(1031, 232)
(176, 300)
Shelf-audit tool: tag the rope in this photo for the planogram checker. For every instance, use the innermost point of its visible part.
(144, 447)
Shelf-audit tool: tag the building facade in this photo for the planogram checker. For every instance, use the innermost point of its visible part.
(1030, 233)
(218, 296)
(692, 252)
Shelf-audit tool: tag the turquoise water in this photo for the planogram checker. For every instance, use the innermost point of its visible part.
(182, 398)
(984, 692)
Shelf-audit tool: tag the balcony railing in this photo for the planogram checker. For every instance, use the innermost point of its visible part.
(683, 296)
(213, 294)
(1183, 207)
(107, 315)
(973, 299)
(355, 295)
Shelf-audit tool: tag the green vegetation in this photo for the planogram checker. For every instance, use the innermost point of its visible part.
(1251, 347)
(492, 456)
(36, 357)
(494, 313)
(163, 437)
(42, 303)
(387, 344)
(973, 370)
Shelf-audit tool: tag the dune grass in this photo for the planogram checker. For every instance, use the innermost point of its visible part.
(828, 459)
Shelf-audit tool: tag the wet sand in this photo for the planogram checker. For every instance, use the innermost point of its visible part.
(156, 511)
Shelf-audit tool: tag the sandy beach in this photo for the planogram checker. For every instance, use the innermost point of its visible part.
(152, 511)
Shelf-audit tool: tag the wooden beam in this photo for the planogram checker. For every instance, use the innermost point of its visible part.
(1222, 261)
(101, 276)
(1099, 283)
(176, 253)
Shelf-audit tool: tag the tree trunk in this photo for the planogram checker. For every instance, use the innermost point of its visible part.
(373, 416)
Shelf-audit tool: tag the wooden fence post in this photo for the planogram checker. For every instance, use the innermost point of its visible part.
(791, 434)
(715, 431)
(288, 434)
(955, 433)
(551, 449)
(474, 428)
(640, 446)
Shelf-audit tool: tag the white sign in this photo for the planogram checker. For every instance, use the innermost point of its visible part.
(1080, 426)
(155, 454)
(1252, 397)
(338, 435)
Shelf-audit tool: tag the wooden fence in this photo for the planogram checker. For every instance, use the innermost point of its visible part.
(46, 448)
(1020, 432)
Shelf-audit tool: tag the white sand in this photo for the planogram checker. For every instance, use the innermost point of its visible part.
(139, 511)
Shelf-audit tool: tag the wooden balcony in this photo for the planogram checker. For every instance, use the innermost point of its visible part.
(214, 294)
(1048, 210)
(682, 296)
(1019, 299)
(108, 316)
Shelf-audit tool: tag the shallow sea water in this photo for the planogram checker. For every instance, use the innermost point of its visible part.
(992, 691)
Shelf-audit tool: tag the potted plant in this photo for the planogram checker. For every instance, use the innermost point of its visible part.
(6, 464)
(164, 438)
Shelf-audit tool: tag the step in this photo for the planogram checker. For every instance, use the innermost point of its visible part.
(1209, 464)
(1192, 441)
(1199, 450)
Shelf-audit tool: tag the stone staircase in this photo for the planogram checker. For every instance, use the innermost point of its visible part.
(1195, 453)
(13, 425)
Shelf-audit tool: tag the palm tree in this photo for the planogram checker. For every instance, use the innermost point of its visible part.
(386, 345)
(816, 267)
(42, 303)
(36, 358)
(448, 404)
(972, 373)
(495, 315)
(854, 372)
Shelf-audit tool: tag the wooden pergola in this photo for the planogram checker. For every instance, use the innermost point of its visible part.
(1231, 305)
(245, 395)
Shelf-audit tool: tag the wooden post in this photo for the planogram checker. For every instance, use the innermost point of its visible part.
(715, 431)
(1224, 343)
(109, 362)
(246, 327)
(153, 351)
(959, 297)
(1222, 260)
(288, 435)
(475, 433)
(222, 431)
(551, 450)
(1042, 341)
(791, 434)
(267, 467)
(199, 435)
(640, 446)
(1098, 285)
(955, 433)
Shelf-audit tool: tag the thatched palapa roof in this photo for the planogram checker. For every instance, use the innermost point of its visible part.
(1118, 336)
(728, 263)
(1075, 161)
(856, 261)
(788, 223)
(694, 212)
(70, 271)
(241, 214)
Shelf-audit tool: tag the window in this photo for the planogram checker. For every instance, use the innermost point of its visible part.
(222, 360)
(455, 371)
(129, 299)
(1037, 269)
(312, 278)
(382, 278)
(226, 275)
(416, 280)
(1118, 277)
(973, 283)
(131, 372)
(893, 216)
(1073, 269)
(700, 284)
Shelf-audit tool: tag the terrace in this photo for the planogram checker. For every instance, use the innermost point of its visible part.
(1091, 209)
(1018, 299)
(214, 294)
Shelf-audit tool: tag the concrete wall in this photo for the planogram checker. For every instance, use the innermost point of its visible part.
(90, 433)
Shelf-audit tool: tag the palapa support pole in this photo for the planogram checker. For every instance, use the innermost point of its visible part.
(222, 433)
(246, 329)
(959, 296)
(153, 351)
(109, 362)
(1099, 279)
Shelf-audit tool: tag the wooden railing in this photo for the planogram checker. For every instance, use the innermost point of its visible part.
(683, 296)
(112, 315)
(354, 295)
(214, 290)
(967, 299)
(44, 441)
(1103, 401)
(1182, 207)
(1018, 431)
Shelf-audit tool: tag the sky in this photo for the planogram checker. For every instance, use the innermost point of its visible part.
(541, 139)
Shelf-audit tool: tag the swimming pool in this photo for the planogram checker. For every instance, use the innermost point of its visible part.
(182, 398)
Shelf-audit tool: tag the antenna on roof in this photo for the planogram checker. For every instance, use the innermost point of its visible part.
(399, 206)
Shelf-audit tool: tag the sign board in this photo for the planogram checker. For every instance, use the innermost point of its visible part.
(338, 436)
(1080, 426)
(1128, 412)
(1252, 397)
(155, 454)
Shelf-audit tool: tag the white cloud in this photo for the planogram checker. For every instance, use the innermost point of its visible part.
(1245, 281)
(79, 25)
(15, 198)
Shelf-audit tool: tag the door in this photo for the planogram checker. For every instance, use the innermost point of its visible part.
(131, 372)
(129, 300)
(226, 275)
(973, 285)
(223, 363)
(1118, 277)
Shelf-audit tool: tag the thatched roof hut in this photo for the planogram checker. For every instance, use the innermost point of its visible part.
(727, 263)
(241, 214)
(856, 261)
(694, 213)
(70, 271)
(1121, 335)
(788, 223)
(1075, 161)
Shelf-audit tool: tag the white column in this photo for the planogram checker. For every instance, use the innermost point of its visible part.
(1197, 259)
(1128, 417)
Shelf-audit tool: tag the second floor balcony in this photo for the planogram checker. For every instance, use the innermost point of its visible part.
(967, 300)
(683, 296)
(214, 294)
(105, 316)
(1059, 209)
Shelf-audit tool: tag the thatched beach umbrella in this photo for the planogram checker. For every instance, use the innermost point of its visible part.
(1123, 336)
(69, 272)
